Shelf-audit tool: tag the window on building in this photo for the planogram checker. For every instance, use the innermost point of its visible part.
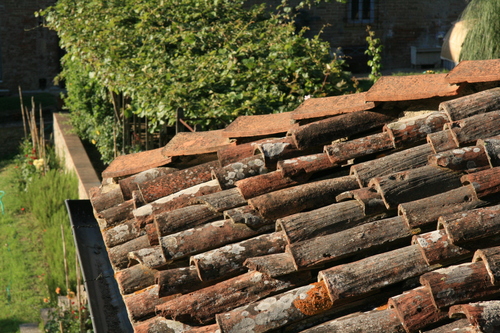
(361, 11)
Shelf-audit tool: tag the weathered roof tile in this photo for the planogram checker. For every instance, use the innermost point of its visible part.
(475, 71)
(195, 143)
(199, 244)
(331, 106)
(126, 165)
(412, 87)
(259, 125)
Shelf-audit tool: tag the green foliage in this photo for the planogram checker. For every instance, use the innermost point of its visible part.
(71, 320)
(44, 199)
(30, 163)
(482, 19)
(22, 268)
(215, 60)
(374, 51)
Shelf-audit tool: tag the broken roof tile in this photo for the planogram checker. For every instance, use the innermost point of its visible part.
(195, 143)
(411, 87)
(126, 165)
(331, 106)
(414, 184)
(475, 71)
(259, 125)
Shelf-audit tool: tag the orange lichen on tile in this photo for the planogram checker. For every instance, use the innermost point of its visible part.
(411, 87)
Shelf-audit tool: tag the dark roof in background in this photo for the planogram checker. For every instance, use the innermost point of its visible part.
(374, 212)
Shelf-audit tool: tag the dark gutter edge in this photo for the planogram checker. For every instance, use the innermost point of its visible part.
(107, 309)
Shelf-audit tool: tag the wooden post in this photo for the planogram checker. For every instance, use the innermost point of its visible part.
(65, 259)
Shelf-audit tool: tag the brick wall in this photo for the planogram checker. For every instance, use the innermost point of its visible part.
(29, 53)
(399, 24)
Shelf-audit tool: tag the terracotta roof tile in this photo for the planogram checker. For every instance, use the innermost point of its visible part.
(214, 246)
(126, 165)
(331, 106)
(475, 71)
(259, 125)
(195, 143)
(411, 87)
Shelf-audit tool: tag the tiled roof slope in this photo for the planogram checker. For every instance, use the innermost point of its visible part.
(383, 218)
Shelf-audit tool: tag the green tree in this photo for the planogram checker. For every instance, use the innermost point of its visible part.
(482, 19)
(214, 59)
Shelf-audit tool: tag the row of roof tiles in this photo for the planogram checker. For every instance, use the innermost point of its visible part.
(242, 229)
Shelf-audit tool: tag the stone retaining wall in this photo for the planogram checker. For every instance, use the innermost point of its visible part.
(70, 149)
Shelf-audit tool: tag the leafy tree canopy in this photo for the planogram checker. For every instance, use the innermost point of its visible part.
(214, 59)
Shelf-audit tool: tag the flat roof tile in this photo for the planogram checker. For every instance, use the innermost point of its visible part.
(194, 143)
(411, 87)
(331, 106)
(126, 165)
(259, 125)
(475, 71)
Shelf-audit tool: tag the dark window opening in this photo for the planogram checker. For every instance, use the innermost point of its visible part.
(361, 11)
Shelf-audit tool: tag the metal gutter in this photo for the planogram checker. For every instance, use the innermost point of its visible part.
(107, 310)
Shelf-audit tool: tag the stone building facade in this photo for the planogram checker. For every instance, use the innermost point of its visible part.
(29, 53)
(404, 27)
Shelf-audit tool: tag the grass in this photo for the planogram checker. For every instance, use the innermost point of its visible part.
(31, 259)
(22, 271)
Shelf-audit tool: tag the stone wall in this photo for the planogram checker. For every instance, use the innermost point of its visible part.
(399, 25)
(29, 53)
(70, 149)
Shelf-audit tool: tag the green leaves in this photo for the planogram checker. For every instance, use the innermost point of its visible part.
(214, 59)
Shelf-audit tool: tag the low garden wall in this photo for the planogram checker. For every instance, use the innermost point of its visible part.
(70, 150)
